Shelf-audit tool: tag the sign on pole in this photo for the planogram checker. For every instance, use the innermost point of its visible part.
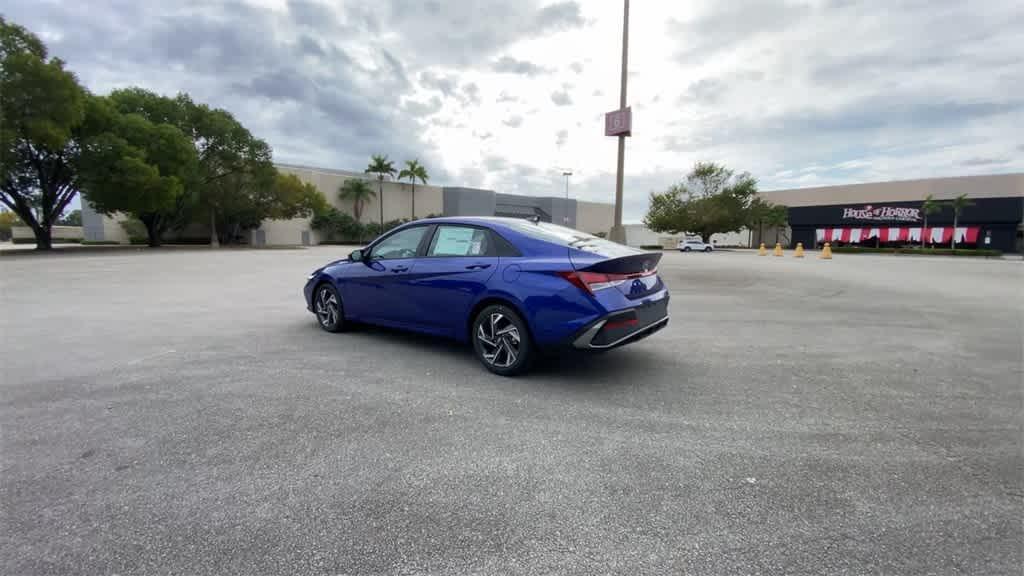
(619, 122)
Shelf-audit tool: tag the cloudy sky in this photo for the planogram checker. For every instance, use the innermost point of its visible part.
(506, 93)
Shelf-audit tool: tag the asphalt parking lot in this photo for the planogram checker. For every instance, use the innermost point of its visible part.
(179, 412)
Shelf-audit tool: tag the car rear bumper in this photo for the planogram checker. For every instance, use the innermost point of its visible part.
(623, 326)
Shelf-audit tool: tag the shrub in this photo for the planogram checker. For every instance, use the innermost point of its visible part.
(135, 230)
(7, 221)
(337, 226)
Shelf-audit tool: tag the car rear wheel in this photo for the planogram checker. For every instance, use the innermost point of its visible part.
(501, 341)
(687, 249)
(707, 249)
(327, 306)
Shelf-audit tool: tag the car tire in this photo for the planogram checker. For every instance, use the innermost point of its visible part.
(708, 249)
(327, 307)
(502, 341)
(687, 249)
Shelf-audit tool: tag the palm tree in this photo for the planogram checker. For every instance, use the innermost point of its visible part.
(414, 171)
(381, 166)
(359, 193)
(929, 206)
(958, 204)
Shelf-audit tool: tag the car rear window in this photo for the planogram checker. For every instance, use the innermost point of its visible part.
(571, 238)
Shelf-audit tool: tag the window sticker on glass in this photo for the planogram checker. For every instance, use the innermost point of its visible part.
(452, 241)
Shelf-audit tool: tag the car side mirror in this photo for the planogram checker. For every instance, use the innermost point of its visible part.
(355, 256)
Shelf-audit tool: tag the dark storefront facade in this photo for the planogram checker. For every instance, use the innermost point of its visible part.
(993, 223)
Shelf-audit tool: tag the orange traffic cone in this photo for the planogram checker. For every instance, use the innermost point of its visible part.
(778, 249)
(826, 252)
(799, 252)
(762, 251)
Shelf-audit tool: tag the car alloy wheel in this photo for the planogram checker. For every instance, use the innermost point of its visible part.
(327, 308)
(500, 340)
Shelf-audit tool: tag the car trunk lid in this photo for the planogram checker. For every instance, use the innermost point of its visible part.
(633, 272)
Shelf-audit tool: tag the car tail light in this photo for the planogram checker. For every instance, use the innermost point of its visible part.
(591, 282)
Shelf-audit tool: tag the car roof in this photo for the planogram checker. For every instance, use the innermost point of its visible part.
(500, 221)
(471, 219)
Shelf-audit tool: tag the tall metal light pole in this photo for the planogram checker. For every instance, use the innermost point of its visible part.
(618, 234)
(566, 173)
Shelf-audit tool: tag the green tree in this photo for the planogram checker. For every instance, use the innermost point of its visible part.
(42, 127)
(293, 198)
(8, 220)
(247, 199)
(412, 172)
(713, 199)
(763, 213)
(382, 167)
(231, 165)
(958, 204)
(163, 110)
(138, 168)
(227, 152)
(265, 196)
(929, 206)
(73, 218)
(238, 202)
(359, 193)
(777, 217)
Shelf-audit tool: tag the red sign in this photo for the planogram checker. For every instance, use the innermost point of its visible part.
(619, 122)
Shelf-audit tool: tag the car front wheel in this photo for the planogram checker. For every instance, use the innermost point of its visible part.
(501, 341)
(687, 249)
(708, 249)
(328, 309)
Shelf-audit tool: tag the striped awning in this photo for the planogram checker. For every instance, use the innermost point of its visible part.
(936, 235)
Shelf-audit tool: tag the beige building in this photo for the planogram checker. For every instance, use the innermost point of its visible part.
(397, 197)
(594, 217)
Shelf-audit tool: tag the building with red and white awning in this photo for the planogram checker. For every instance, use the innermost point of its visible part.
(890, 213)
(885, 235)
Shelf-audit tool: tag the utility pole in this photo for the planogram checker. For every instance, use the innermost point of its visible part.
(566, 173)
(618, 234)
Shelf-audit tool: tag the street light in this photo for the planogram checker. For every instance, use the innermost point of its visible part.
(566, 173)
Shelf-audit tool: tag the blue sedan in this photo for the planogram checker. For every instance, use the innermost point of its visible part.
(514, 288)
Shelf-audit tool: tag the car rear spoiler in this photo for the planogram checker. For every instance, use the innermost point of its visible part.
(633, 264)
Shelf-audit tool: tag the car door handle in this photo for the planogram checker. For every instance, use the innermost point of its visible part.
(477, 266)
(399, 268)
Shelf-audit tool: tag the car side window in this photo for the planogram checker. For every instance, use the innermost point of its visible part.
(402, 244)
(459, 241)
(502, 247)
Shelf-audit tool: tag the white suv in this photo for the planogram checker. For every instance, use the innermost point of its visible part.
(694, 245)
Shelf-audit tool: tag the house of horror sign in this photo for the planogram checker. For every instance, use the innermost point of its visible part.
(883, 214)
